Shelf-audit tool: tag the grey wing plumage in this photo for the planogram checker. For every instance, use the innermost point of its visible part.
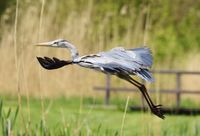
(133, 61)
(142, 55)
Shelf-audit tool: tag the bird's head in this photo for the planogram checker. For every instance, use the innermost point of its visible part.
(59, 43)
(54, 63)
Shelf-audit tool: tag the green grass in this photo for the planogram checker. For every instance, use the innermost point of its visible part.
(73, 116)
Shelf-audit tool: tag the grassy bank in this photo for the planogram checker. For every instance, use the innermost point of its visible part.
(76, 116)
(169, 28)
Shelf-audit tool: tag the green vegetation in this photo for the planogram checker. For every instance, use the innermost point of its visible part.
(171, 28)
(75, 116)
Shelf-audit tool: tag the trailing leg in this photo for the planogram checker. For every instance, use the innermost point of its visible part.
(155, 109)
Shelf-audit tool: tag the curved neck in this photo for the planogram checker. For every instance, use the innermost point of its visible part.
(73, 50)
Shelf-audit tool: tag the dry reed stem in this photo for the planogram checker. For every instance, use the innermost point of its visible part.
(26, 87)
(15, 49)
(145, 39)
(39, 70)
(79, 30)
(17, 62)
(124, 116)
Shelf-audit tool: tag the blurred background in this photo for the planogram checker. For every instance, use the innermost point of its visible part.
(171, 28)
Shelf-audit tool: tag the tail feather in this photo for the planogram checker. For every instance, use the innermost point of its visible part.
(146, 75)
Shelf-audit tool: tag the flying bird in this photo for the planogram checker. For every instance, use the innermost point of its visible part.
(120, 62)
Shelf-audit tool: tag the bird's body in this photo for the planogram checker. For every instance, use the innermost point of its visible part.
(132, 61)
(118, 61)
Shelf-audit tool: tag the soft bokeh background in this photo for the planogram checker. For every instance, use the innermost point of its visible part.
(171, 28)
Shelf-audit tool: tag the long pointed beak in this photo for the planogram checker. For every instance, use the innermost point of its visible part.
(44, 44)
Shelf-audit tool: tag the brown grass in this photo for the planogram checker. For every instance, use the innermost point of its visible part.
(76, 27)
(22, 54)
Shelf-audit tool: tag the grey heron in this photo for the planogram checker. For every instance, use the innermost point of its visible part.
(118, 61)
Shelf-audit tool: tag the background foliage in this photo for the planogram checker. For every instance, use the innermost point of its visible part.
(65, 102)
(169, 27)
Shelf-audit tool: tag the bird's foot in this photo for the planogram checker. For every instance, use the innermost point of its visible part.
(157, 110)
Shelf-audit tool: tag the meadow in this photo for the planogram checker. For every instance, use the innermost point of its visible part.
(92, 26)
(62, 102)
(87, 116)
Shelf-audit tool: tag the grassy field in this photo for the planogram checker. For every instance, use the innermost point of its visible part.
(170, 28)
(85, 116)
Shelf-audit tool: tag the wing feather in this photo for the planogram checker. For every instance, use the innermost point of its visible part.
(133, 61)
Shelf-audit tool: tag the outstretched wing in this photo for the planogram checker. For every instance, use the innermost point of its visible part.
(134, 61)
(141, 56)
(54, 63)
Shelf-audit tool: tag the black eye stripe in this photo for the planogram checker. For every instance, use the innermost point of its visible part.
(63, 41)
(59, 41)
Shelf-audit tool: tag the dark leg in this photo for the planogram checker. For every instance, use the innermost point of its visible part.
(142, 87)
(155, 109)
